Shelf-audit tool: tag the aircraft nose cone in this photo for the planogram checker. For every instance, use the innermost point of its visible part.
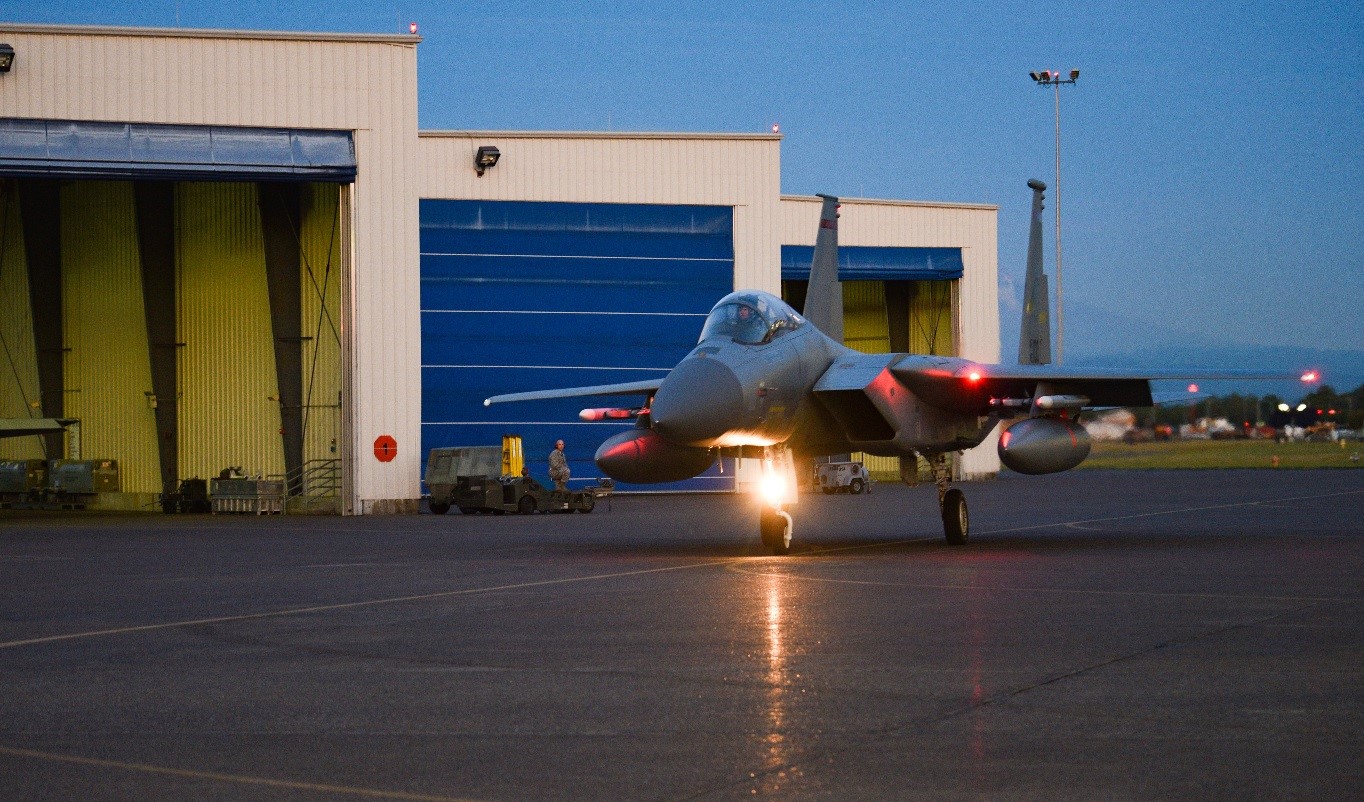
(699, 401)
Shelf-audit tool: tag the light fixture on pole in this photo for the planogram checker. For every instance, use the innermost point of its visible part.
(1053, 79)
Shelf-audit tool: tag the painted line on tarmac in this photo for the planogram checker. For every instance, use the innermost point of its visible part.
(1233, 505)
(1076, 524)
(737, 569)
(324, 608)
(240, 779)
(596, 577)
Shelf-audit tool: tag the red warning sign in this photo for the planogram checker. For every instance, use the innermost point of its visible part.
(385, 448)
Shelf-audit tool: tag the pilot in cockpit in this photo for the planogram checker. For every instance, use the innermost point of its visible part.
(749, 319)
(737, 321)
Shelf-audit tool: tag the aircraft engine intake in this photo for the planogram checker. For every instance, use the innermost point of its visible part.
(1043, 445)
(642, 456)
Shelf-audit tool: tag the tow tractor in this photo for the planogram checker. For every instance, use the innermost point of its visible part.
(491, 479)
(503, 494)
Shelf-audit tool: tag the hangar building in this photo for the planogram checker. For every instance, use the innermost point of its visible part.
(228, 248)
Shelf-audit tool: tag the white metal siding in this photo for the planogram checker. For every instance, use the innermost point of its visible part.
(742, 171)
(971, 227)
(366, 85)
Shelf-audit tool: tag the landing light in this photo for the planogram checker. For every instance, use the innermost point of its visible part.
(1302, 407)
(1283, 407)
(974, 375)
(777, 487)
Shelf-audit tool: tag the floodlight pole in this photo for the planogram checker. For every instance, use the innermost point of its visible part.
(1053, 79)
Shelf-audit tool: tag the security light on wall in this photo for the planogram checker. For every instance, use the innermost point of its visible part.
(6, 58)
(486, 158)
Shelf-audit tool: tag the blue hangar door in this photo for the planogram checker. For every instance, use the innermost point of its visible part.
(520, 296)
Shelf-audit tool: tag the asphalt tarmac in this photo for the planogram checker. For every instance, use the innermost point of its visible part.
(1124, 635)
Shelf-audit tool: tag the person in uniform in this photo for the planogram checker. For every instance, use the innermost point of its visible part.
(558, 466)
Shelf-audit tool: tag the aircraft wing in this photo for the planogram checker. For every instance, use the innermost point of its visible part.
(955, 383)
(646, 387)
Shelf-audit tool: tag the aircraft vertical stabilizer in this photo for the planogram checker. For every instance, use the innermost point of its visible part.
(824, 298)
(1034, 339)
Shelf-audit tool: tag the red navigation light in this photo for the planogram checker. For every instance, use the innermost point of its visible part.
(1309, 377)
(1004, 439)
(1193, 388)
(1330, 412)
(974, 375)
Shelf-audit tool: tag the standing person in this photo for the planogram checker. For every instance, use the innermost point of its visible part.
(558, 466)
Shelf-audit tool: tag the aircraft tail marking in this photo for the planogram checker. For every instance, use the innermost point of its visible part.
(824, 297)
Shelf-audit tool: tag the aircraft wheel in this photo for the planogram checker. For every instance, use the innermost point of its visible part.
(775, 528)
(469, 510)
(586, 505)
(956, 523)
(856, 487)
(526, 505)
(439, 507)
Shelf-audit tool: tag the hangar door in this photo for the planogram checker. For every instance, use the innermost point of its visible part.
(175, 288)
(522, 296)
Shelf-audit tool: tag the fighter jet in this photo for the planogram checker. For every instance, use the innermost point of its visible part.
(766, 379)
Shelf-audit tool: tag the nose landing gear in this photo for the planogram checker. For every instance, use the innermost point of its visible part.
(778, 489)
(775, 527)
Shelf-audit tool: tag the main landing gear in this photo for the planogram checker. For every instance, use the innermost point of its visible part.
(956, 522)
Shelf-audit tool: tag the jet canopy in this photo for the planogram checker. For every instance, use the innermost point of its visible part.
(750, 318)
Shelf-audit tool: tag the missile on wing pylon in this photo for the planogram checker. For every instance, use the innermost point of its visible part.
(1034, 339)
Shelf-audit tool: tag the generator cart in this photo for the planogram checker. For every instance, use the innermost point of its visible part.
(842, 477)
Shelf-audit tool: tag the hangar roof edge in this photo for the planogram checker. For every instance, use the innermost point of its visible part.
(207, 33)
(984, 207)
(438, 134)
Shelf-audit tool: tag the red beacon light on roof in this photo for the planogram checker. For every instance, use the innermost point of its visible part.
(1309, 377)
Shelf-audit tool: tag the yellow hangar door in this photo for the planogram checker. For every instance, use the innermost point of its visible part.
(186, 315)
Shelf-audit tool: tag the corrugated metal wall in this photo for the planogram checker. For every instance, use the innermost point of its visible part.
(19, 370)
(361, 83)
(320, 273)
(229, 412)
(737, 170)
(107, 372)
(865, 327)
(932, 324)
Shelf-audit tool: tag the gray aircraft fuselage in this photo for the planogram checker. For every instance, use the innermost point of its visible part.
(800, 388)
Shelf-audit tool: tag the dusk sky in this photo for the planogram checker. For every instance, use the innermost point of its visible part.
(1213, 153)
